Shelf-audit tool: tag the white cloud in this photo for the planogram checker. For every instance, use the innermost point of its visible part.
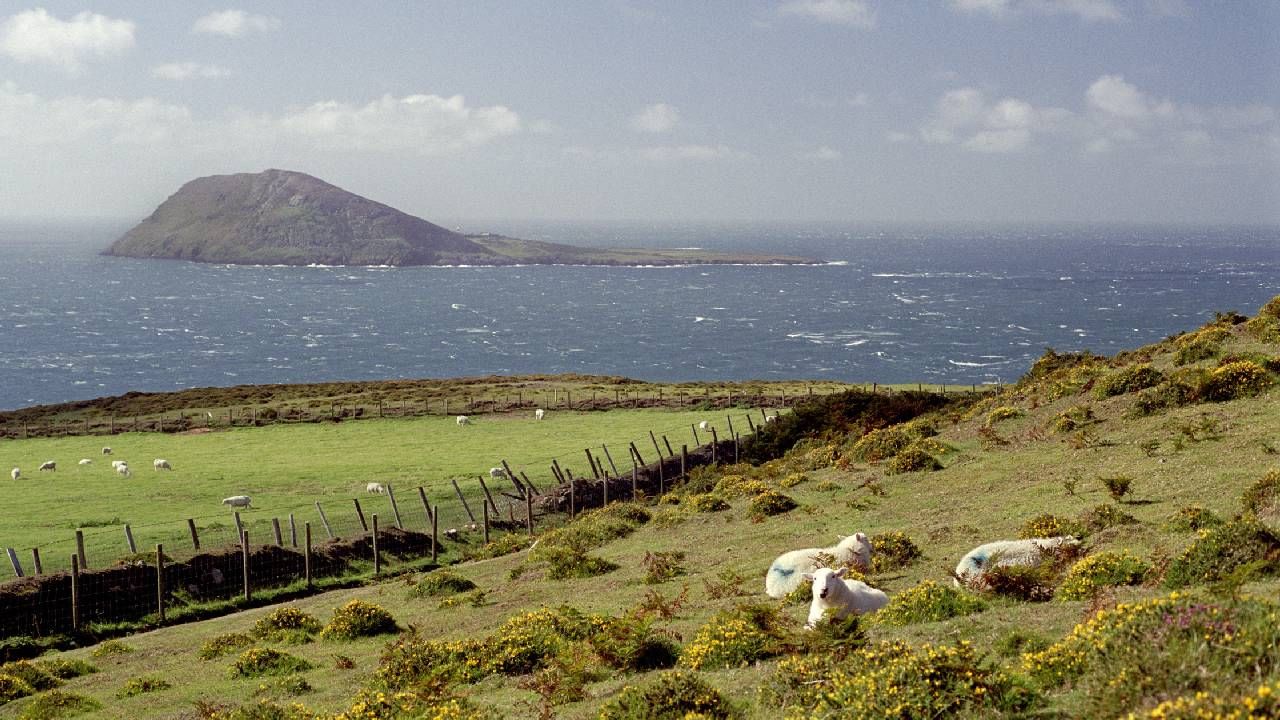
(1115, 97)
(822, 153)
(38, 121)
(36, 36)
(657, 118)
(422, 124)
(1088, 10)
(965, 117)
(854, 13)
(188, 71)
(234, 23)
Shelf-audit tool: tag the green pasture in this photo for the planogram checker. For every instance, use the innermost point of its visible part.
(287, 468)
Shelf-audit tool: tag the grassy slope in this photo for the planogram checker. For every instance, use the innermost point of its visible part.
(985, 493)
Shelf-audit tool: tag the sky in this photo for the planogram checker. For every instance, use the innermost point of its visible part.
(731, 111)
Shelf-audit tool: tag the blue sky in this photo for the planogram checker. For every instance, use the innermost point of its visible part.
(793, 110)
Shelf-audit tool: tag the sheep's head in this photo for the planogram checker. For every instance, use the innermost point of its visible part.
(823, 579)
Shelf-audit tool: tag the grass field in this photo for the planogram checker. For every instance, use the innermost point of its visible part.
(286, 468)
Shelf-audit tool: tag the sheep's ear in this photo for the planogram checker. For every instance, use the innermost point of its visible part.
(861, 537)
(841, 572)
(807, 576)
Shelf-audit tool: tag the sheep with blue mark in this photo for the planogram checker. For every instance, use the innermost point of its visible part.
(788, 569)
(979, 560)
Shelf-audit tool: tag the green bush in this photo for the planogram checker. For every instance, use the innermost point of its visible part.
(441, 582)
(1264, 495)
(1049, 525)
(1101, 517)
(769, 503)
(673, 695)
(1004, 412)
(65, 668)
(12, 688)
(358, 619)
(1233, 380)
(58, 704)
(708, 502)
(735, 638)
(893, 550)
(1197, 349)
(631, 643)
(1174, 392)
(880, 444)
(30, 673)
(1191, 517)
(1127, 380)
(660, 567)
(1072, 419)
(564, 563)
(142, 685)
(111, 647)
(286, 624)
(927, 602)
(220, 645)
(912, 459)
(1097, 572)
(502, 545)
(256, 662)
(1219, 551)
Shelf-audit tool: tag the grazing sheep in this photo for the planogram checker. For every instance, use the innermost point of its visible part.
(85, 461)
(160, 464)
(49, 465)
(704, 425)
(1005, 552)
(788, 569)
(15, 473)
(451, 533)
(237, 501)
(497, 473)
(376, 488)
(539, 414)
(464, 420)
(770, 418)
(106, 451)
(123, 469)
(831, 592)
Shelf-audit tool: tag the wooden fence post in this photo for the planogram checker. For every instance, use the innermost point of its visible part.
(275, 529)
(395, 509)
(293, 532)
(306, 553)
(512, 477)
(635, 480)
(377, 561)
(637, 453)
(697, 442)
(244, 552)
(195, 537)
(610, 459)
(486, 524)
(591, 462)
(670, 452)
(422, 495)
(160, 581)
(715, 447)
(684, 462)
(465, 506)
(13, 559)
(327, 530)
(75, 592)
(239, 524)
(128, 536)
(488, 497)
(84, 562)
(35, 561)
(656, 449)
(528, 503)
(435, 536)
(605, 487)
(360, 513)
(572, 494)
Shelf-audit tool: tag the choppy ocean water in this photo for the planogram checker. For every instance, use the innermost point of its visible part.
(959, 305)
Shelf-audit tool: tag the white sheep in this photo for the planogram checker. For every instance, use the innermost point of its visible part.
(497, 473)
(376, 488)
(85, 461)
(539, 414)
(704, 425)
(15, 473)
(160, 464)
(237, 501)
(788, 569)
(770, 418)
(115, 464)
(977, 561)
(831, 592)
(106, 451)
(49, 465)
(464, 420)
(123, 469)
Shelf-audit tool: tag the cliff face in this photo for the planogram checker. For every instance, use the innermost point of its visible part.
(284, 217)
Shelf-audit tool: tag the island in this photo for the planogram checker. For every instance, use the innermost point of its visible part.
(283, 217)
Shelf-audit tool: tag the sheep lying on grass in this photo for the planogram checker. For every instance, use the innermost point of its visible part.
(1005, 552)
(85, 461)
(831, 592)
(788, 569)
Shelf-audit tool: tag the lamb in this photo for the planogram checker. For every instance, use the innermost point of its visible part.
(788, 569)
(539, 414)
(15, 473)
(831, 592)
(704, 425)
(106, 451)
(237, 501)
(85, 461)
(123, 469)
(49, 465)
(1005, 552)
(464, 420)
(376, 488)
(160, 464)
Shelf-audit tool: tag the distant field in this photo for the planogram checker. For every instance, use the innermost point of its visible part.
(286, 468)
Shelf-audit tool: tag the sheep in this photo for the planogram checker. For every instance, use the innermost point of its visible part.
(123, 469)
(770, 419)
(237, 501)
(15, 473)
(497, 473)
(376, 488)
(115, 464)
(85, 461)
(788, 569)
(106, 451)
(539, 414)
(160, 464)
(49, 465)
(1005, 552)
(831, 592)
(464, 420)
(704, 425)
(451, 533)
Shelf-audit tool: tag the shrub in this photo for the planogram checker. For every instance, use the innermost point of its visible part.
(708, 502)
(1196, 349)
(1018, 642)
(58, 704)
(441, 582)
(893, 550)
(220, 645)
(1035, 582)
(375, 705)
(1004, 412)
(1090, 576)
(1265, 326)
(912, 459)
(1234, 380)
(256, 662)
(827, 486)
(65, 668)
(927, 602)
(1073, 418)
(734, 638)
(142, 685)
(30, 673)
(1261, 703)
(660, 567)
(1117, 485)
(1101, 517)
(630, 643)
(111, 647)
(880, 444)
(288, 685)
(731, 486)
(1191, 517)
(1127, 380)
(1048, 525)
(673, 695)
(286, 623)
(1263, 495)
(358, 619)
(526, 642)
(1174, 392)
(769, 503)
(793, 479)
(806, 457)
(892, 680)
(502, 545)
(12, 688)
(564, 563)
(1218, 551)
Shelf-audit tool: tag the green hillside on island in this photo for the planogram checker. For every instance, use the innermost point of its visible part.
(280, 217)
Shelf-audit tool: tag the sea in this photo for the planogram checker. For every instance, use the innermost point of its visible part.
(962, 305)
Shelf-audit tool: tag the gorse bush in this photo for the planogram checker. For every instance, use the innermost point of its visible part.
(735, 638)
(912, 458)
(708, 502)
(880, 444)
(1191, 517)
(58, 704)
(1196, 349)
(12, 688)
(1004, 412)
(141, 686)
(564, 563)
(439, 583)
(502, 545)
(893, 550)
(769, 503)
(220, 645)
(31, 674)
(1261, 703)
(732, 486)
(65, 668)
(1101, 517)
(1117, 485)
(660, 567)
(1072, 419)
(793, 480)
(1127, 380)
(927, 602)
(286, 623)
(1049, 525)
(256, 662)
(1174, 392)
(672, 695)
(1264, 495)
(111, 647)
(1218, 551)
(1234, 380)
(1100, 571)
(358, 619)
